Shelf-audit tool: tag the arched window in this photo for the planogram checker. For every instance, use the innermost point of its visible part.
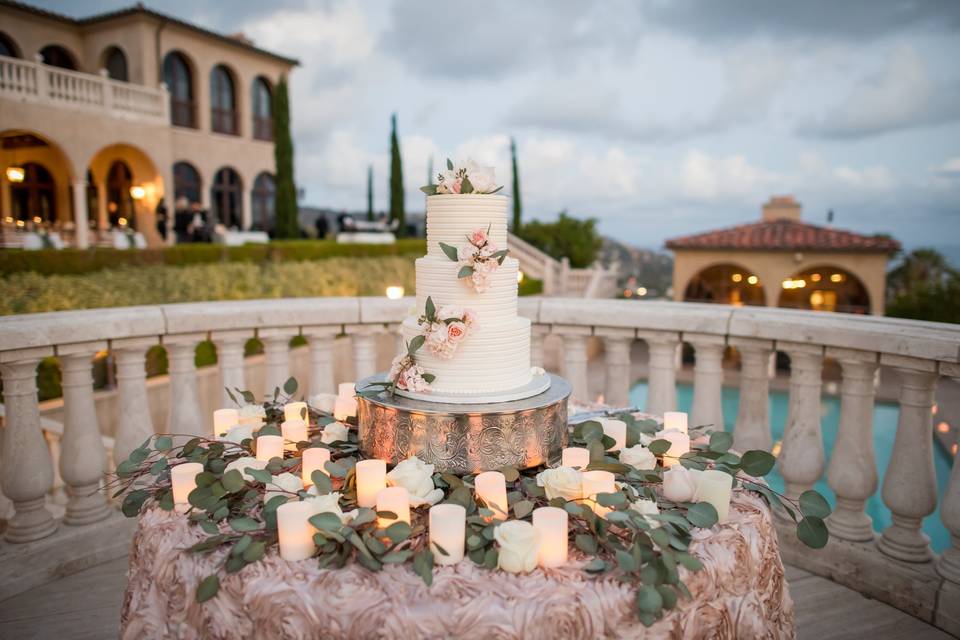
(825, 288)
(179, 81)
(92, 196)
(35, 196)
(8, 47)
(120, 209)
(115, 62)
(227, 197)
(186, 184)
(56, 56)
(223, 101)
(725, 284)
(264, 213)
(262, 110)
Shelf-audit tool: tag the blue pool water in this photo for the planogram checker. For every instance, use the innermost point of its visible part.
(884, 429)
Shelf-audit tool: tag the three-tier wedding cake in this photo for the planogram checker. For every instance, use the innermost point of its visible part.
(465, 342)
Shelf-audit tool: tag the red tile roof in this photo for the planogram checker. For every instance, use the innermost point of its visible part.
(785, 235)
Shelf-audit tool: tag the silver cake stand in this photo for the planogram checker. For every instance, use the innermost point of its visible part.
(464, 438)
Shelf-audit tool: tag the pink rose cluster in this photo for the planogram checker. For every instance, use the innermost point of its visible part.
(480, 255)
(408, 375)
(447, 331)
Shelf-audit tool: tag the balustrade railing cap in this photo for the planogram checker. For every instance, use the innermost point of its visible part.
(65, 327)
(672, 316)
(385, 310)
(252, 314)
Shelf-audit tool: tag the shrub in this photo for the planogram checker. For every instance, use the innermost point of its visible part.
(568, 237)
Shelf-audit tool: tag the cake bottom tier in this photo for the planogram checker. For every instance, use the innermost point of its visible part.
(493, 359)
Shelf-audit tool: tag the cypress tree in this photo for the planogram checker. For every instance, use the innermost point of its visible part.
(370, 192)
(396, 180)
(516, 187)
(285, 198)
(430, 170)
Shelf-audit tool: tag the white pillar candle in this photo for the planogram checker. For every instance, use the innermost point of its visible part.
(576, 457)
(269, 447)
(295, 411)
(616, 429)
(396, 500)
(676, 420)
(551, 522)
(716, 488)
(679, 445)
(491, 487)
(344, 408)
(294, 431)
(294, 530)
(346, 389)
(223, 420)
(594, 482)
(183, 478)
(371, 479)
(448, 523)
(313, 459)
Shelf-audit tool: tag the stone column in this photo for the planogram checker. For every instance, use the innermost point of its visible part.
(230, 345)
(707, 380)
(801, 456)
(616, 344)
(575, 359)
(27, 471)
(81, 217)
(185, 415)
(276, 345)
(364, 339)
(752, 429)
(662, 367)
(910, 484)
(103, 216)
(853, 469)
(948, 566)
(538, 333)
(82, 458)
(135, 424)
(321, 358)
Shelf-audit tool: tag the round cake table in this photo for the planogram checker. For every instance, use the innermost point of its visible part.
(740, 593)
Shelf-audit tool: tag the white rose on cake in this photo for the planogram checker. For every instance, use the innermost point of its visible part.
(416, 476)
(334, 432)
(482, 178)
(562, 482)
(519, 543)
(638, 457)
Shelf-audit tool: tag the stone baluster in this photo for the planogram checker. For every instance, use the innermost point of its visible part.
(135, 424)
(27, 471)
(910, 483)
(276, 346)
(662, 347)
(82, 458)
(364, 339)
(575, 359)
(321, 358)
(948, 566)
(616, 344)
(752, 429)
(185, 417)
(801, 456)
(230, 347)
(538, 334)
(707, 380)
(853, 469)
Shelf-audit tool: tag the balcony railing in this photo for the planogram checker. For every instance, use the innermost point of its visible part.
(896, 566)
(40, 83)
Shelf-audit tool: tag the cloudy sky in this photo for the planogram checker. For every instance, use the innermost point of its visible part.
(658, 118)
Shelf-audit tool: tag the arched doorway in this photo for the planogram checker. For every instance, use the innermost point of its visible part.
(120, 205)
(57, 56)
(825, 288)
(725, 284)
(262, 109)
(115, 62)
(130, 187)
(264, 212)
(45, 190)
(179, 80)
(34, 198)
(223, 101)
(227, 198)
(8, 47)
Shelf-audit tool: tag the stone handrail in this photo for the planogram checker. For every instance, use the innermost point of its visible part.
(897, 566)
(558, 278)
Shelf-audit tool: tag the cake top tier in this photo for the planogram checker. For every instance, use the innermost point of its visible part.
(465, 178)
(452, 218)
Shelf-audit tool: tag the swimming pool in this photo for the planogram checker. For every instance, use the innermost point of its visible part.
(885, 417)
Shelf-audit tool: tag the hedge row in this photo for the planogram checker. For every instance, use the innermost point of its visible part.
(78, 261)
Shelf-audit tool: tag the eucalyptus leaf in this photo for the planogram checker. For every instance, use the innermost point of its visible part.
(813, 504)
(322, 482)
(720, 441)
(450, 251)
(290, 386)
(522, 509)
(415, 344)
(327, 521)
(208, 588)
(430, 189)
(133, 501)
(164, 443)
(702, 514)
(430, 310)
(242, 525)
(659, 447)
(423, 566)
(757, 463)
(398, 532)
(586, 543)
(649, 599)
(812, 532)
(465, 272)
(255, 551)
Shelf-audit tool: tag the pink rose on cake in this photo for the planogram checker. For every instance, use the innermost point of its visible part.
(456, 331)
(478, 258)
(478, 238)
(406, 374)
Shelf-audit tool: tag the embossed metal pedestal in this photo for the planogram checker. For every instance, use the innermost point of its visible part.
(466, 438)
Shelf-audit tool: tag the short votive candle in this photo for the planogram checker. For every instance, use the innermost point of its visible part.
(676, 420)
(371, 479)
(269, 447)
(576, 457)
(347, 389)
(715, 487)
(294, 431)
(594, 482)
(679, 445)
(551, 522)
(491, 487)
(344, 408)
(616, 429)
(183, 478)
(294, 530)
(295, 411)
(223, 420)
(313, 459)
(395, 500)
(448, 525)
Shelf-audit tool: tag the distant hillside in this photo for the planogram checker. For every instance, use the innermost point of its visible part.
(652, 269)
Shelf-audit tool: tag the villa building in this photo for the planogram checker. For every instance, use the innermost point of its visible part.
(782, 261)
(105, 120)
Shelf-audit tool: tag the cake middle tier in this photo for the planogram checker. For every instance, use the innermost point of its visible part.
(494, 358)
(437, 278)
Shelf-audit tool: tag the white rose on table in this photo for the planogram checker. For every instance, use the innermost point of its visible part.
(680, 483)
(519, 543)
(647, 508)
(638, 457)
(323, 402)
(334, 432)
(416, 476)
(329, 503)
(244, 463)
(238, 433)
(562, 482)
(284, 484)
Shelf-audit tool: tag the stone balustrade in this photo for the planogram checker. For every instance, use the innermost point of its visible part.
(897, 566)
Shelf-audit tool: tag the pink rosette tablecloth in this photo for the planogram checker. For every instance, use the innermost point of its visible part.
(740, 593)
